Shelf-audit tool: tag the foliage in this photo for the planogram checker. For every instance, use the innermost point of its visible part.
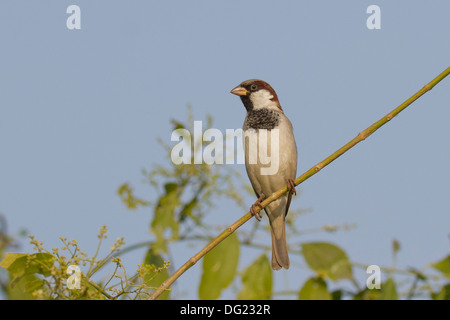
(53, 274)
(186, 195)
(219, 268)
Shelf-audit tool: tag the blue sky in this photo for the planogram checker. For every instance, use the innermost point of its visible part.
(80, 111)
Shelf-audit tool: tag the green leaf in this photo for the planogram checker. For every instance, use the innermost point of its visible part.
(10, 258)
(443, 266)
(164, 217)
(367, 294)
(257, 280)
(444, 294)
(19, 264)
(388, 290)
(337, 294)
(156, 279)
(327, 260)
(24, 287)
(219, 268)
(314, 289)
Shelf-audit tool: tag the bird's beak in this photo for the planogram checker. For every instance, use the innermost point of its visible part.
(239, 91)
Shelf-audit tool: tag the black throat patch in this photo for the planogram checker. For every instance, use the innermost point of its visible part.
(247, 102)
(262, 119)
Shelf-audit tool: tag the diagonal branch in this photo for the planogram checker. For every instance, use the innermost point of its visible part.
(360, 137)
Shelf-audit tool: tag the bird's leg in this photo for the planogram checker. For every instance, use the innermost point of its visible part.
(291, 186)
(253, 209)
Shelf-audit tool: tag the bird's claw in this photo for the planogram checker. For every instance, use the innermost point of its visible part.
(253, 209)
(291, 186)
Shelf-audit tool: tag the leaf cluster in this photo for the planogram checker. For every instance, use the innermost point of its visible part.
(48, 274)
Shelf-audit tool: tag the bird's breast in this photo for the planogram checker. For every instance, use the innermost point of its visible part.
(270, 156)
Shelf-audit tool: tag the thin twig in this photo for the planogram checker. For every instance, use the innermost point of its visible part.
(360, 137)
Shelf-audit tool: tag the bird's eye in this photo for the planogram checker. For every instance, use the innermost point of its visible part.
(253, 87)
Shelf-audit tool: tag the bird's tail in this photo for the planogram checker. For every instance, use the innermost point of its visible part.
(280, 256)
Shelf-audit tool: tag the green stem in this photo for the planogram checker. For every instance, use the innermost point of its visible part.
(97, 287)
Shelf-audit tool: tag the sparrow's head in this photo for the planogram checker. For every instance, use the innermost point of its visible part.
(257, 94)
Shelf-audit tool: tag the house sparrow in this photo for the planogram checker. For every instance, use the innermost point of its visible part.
(264, 112)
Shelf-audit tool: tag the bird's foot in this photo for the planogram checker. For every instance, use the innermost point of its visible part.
(253, 209)
(291, 186)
